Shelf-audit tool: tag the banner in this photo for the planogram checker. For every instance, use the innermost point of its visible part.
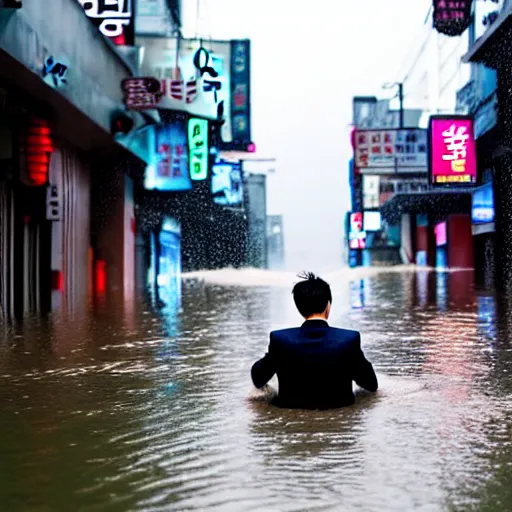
(388, 151)
(452, 146)
(241, 93)
(115, 19)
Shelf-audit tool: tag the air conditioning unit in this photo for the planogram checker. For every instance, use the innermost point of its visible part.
(10, 4)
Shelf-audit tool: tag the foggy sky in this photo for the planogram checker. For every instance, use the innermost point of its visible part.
(308, 60)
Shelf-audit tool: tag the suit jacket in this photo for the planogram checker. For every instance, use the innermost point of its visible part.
(315, 366)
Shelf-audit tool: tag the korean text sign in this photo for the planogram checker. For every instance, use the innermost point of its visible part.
(385, 151)
(114, 18)
(452, 151)
(198, 145)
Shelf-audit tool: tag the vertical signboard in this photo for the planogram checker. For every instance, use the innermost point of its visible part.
(371, 192)
(241, 92)
(115, 19)
(451, 17)
(198, 147)
(168, 167)
(452, 148)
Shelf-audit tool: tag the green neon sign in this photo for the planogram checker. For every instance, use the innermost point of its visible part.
(198, 148)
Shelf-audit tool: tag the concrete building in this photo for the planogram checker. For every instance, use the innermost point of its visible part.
(58, 97)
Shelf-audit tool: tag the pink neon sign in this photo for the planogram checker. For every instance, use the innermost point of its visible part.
(452, 151)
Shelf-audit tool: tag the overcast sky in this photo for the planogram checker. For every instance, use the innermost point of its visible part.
(309, 58)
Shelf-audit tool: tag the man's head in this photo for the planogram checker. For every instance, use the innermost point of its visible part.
(312, 296)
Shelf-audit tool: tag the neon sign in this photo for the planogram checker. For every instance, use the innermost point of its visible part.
(198, 146)
(452, 151)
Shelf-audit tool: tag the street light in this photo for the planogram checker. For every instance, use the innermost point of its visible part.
(400, 85)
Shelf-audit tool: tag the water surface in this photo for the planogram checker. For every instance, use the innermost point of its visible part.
(137, 408)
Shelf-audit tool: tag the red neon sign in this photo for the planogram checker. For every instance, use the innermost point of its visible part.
(38, 149)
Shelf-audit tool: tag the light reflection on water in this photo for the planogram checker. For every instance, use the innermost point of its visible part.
(134, 408)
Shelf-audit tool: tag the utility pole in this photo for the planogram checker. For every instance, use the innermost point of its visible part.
(401, 100)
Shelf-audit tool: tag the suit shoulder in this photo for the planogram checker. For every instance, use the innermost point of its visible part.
(283, 333)
(346, 333)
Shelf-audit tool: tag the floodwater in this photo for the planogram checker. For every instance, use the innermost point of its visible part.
(134, 408)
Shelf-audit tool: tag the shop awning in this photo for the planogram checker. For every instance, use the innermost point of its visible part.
(493, 47)
(437, 203)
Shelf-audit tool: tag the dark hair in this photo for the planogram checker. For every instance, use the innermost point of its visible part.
(311, 295)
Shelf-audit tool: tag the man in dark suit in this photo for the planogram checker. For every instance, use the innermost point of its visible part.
(315, 363)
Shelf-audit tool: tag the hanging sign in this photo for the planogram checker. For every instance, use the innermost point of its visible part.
(141, 92)
(451, 17)
(241, 92)
(114, 19)
(198, 146)
(452, 151)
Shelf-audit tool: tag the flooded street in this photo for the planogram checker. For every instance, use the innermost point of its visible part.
(134, 408)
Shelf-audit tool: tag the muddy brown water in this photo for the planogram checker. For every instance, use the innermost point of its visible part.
(137, 408)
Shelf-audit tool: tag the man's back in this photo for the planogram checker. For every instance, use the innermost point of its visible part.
(315, 366)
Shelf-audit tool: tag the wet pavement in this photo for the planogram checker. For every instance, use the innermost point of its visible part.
(134, 408)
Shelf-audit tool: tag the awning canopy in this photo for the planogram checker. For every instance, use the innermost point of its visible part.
(494, 47)
(436, 203)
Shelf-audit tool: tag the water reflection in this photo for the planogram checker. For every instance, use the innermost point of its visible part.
(136, 407)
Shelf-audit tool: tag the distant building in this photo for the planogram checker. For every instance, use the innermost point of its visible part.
(275, 242)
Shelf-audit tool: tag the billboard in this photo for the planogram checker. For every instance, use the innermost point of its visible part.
(389, 151)
(115, 19)
(452, 151)
(198, 147)
(450, 17)
(482, 210)
(227, 186)
(168, 167)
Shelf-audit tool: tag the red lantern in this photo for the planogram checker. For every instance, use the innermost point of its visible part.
(38, 149)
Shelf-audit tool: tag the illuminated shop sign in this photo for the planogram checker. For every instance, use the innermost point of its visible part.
(198, 147)
(114, 19)
(452, 145)
(357, 237)
(168, 166)
(227, 187)
(483, 205)
(451, 17)
(440, 231)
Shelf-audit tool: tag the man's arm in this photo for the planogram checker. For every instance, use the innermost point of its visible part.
(364, 374)
(264, 369)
